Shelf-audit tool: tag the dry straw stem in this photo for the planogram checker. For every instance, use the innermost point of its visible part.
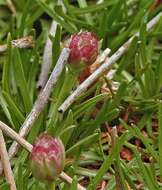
(100, 59)
(6, 163)
(15, 136)
(47, 54)
(47, 58)
(22, 43)
(40, 102)
(11, 7)
(103, 68)
(11, 133)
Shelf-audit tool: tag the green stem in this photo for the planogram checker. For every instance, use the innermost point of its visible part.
(83, 4)
(50, 186)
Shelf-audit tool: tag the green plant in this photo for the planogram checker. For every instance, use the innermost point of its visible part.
(130, 100)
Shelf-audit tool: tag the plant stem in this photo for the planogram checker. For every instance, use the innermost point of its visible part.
(15, 136)
(83, 4)
(40, 102)
(103, 68)
(47, 58)
(51, 186)
(6, 163)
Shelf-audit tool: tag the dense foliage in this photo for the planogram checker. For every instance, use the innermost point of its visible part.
(112, 136)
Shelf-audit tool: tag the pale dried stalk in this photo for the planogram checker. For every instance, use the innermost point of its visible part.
(11, 133)
(42, 99)
(22, 43)
(68, 179)
(103, 68)
(47, 58)
(40, 102)
(100, 59)
(15, 136)
(6, 163)
(11, 7)
(47, 54)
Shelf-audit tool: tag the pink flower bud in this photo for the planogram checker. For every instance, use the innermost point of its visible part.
(84, 48)
(158, 2)
(155, 4)
(47, 157)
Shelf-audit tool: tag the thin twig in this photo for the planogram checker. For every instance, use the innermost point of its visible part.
(47, 54)
(22, 43)
(15, 136)
(103, 68)
(68, 179)
(42, 99)
(6, 163)
(40, 102)
(47, 58)
(11, 133)
(100, 59)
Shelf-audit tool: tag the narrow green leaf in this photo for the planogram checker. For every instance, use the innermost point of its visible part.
(74, 183)
(146, 177)
(88, 16)
(136, 132)
(12, 106)
(6, 67)
(21, 81)
(92, 8)
(160, 136)
(52, 14)
(84, 142)
(158, 75)
(24, 17)
(56, 45)
(3, 104)
(20, 181)
(109, 160)
(91, 102)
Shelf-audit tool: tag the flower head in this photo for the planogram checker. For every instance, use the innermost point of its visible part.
(84, 48)
(159, 2)
(47, 157)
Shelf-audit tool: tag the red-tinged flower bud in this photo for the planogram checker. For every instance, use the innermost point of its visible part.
(47, 157)
(84, 48)
(155, 4)
(158, 2)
